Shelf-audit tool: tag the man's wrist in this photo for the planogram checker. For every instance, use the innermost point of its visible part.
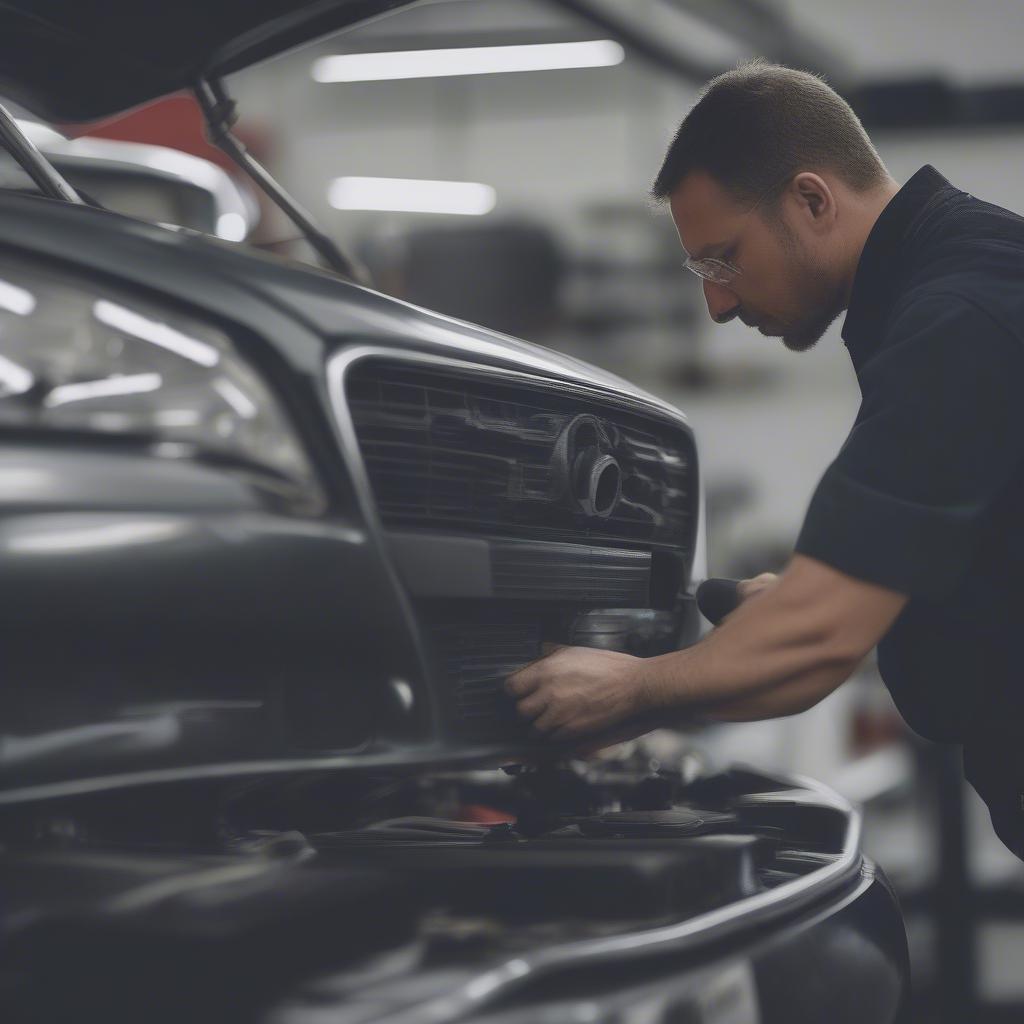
(654, 684)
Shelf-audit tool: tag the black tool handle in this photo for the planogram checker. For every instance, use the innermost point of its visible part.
(717, 597)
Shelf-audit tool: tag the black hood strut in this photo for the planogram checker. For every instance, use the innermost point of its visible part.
(219, 112)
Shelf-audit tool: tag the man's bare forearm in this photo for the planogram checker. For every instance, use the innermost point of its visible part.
(781, 651)
(773, 640)
(787, 698)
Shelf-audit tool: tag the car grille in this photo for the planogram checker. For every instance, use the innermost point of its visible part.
(458, 453)
(455, 454)
(475, 655)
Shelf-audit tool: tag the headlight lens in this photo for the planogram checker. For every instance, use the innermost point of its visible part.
(74, 359)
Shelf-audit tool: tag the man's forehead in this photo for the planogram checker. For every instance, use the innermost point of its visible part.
(703, 213)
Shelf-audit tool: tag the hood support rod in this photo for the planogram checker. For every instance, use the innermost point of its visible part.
(219, 112)
(47, 178)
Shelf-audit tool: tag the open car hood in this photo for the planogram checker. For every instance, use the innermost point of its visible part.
(82, 60)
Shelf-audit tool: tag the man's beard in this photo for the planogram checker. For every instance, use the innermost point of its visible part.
(816, 293)
(807, 333)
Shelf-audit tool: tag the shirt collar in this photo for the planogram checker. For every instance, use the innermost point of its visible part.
(884, 259)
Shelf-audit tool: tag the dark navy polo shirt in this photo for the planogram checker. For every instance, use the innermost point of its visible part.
(926, 495)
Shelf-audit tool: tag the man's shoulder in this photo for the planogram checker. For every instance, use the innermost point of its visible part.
(960, 304)
(932, 303)
(946, 327)
(963, 219)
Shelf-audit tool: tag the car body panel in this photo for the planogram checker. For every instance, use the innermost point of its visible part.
(113, 56)
(191, 560)
(223, 279)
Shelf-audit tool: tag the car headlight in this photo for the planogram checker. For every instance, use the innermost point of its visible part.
(76, 358)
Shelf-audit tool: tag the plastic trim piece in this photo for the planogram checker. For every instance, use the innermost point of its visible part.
(440, 565)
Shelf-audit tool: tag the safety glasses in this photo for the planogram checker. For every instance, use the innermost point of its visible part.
(713, 269)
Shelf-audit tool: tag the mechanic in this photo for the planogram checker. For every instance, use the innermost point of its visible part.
(914, 538)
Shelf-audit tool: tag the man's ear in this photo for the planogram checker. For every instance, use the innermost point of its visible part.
(814, 198)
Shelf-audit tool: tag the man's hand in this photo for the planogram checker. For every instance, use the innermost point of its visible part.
(748, 588)
(580, 691)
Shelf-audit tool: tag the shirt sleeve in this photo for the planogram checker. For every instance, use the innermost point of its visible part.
(939, 434)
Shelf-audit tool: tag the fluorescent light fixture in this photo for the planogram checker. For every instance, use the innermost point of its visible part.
(16, 300)
(156, 333)
(409, 195)
(236, 398)
(14, 379)
(466, 60)
(108, 387)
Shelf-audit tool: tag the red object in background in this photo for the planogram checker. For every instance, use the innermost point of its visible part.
(482, 815)
(174, 121)
(177, 122)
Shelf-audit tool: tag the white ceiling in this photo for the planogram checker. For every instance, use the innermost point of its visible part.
(975, 41)
(978, 40)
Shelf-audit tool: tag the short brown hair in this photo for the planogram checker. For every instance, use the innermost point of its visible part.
(760, 123)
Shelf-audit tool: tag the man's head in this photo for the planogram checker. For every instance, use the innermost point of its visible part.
(772, 175)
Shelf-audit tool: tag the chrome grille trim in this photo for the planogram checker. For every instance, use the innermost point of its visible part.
(460, 448)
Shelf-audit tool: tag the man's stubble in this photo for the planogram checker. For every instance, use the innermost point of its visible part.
(820, 300)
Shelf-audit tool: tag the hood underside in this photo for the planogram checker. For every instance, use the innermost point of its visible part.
(83, 60)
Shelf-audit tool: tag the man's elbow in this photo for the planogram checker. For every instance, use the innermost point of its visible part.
(844, 617)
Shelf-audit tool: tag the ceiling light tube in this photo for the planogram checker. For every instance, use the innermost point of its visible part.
(410, 195)
(467, 60)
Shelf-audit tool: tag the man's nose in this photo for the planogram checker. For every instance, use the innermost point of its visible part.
(722, 303)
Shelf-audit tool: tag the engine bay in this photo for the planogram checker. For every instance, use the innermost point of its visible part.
(378, 895)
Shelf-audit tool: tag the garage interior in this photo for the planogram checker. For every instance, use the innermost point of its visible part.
(515, 196)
